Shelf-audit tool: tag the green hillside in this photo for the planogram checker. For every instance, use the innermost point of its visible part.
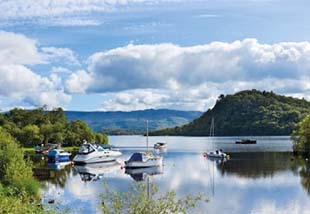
(247, 113)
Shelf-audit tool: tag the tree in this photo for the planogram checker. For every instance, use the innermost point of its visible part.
(101, 138)
(138, 201)
(46, 131)
(18, 189)
(78, 132)
(30, 136)
(301, 136)
(14, 170)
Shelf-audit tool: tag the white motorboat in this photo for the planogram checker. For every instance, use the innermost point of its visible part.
(217, 154)
(144, 159)
(95, 153)
(160, 145)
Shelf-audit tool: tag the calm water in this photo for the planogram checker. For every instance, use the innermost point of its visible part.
(259, 178)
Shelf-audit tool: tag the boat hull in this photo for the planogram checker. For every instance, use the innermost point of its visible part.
(96, 157)
(246, 142)
(215, 155)
(157, 161)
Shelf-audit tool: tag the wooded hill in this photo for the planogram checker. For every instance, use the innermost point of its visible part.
(247, 113)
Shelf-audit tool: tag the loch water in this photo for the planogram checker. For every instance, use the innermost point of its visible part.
(258, 178)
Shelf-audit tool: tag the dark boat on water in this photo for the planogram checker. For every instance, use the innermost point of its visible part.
(246, 141)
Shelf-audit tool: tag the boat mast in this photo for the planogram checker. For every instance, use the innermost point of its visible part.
(147, 135)
(212, 131)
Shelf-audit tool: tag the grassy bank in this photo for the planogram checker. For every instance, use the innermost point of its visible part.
(68, 149)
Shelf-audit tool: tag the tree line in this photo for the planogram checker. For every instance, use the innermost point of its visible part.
(37, 126)
(246, 113)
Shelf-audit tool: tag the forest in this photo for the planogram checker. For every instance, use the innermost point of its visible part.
(38, 126)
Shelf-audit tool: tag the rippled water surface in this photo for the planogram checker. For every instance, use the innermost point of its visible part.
(261, 178)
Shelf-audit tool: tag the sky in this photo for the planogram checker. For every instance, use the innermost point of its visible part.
(108, 55)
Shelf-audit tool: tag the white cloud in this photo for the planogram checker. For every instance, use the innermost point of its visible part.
(17, 48)
(193, 77)
(63, 12)
(60, 69)
(21, 84)
(78, 82)
(60, 54)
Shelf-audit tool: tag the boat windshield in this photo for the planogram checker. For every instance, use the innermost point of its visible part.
(99, 148)
(86, 149)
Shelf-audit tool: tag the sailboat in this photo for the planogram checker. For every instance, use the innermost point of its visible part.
(144, 159)
(216, 154)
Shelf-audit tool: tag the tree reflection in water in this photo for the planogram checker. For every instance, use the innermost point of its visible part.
(256, 165)
(52, 175)
(301, 166)
(262, 165)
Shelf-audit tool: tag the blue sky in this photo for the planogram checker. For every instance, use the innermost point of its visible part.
(137, 54)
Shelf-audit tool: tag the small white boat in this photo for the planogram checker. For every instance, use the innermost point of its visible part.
(143, 159)
(95, 153)
(217, 154)
(160, 145)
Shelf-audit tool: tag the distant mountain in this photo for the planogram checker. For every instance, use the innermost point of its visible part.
(248, 113)
(133, 122)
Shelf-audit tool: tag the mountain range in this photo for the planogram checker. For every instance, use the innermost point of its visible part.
(133, 122)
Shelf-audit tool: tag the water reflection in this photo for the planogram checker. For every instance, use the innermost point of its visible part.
(256, 165)
(96, 171)
(250, 182)
(140, 174)
(301, 166)
(56, 174)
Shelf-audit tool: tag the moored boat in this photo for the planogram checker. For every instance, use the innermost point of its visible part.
(246, 141)
(143, 159)
(58, 155)
(95, 153)
(217, 153)
(160, 145)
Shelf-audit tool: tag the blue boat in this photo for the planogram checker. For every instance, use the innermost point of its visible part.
(58, 155)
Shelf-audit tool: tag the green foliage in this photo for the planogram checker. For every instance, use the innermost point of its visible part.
(101, 138)
(18, 204)
(78, 132)
(29, 135)
(14, 170)
(18, 189)
(301, 136)
(247, 113)
(137, 201)
(37, 126)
